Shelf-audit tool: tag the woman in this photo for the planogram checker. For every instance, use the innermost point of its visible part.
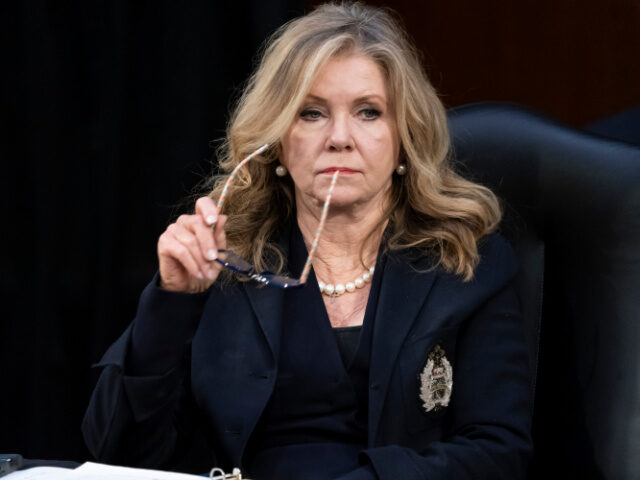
(407, 362)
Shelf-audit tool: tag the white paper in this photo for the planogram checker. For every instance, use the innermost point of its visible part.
(50, 473)
(91, 471)
(97, 471)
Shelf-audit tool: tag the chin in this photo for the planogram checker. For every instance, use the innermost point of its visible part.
(345, 200)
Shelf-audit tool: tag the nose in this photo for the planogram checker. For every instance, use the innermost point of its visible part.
(340, 136)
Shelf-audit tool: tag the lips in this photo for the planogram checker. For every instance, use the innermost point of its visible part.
(342, 170)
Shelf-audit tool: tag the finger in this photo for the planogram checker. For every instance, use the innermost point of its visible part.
(203, 233)
(219, 234)
(208, 210)
(169, 245)
(205, 238)
(183, 233)
(188, 221)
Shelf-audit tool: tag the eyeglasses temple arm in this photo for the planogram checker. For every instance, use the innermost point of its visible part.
(323, 218)
(223, 195)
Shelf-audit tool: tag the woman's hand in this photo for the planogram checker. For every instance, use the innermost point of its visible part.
(187, 249)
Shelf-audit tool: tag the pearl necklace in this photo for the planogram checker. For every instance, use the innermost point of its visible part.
(340, 288)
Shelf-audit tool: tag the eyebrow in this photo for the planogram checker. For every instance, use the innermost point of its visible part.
(360, 99)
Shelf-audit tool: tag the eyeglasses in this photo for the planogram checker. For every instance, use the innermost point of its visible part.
(236, 263)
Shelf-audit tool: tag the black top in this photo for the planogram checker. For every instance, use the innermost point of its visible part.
(316, 419)
(347, 339)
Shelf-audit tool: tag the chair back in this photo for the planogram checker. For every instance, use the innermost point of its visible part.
(572, 213)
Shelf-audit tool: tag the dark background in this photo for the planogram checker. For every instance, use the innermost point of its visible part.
(108, 111)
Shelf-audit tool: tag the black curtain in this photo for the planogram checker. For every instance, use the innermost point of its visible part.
(108, 110)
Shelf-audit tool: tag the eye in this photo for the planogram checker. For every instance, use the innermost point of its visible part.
(310, 114)
(370, 113)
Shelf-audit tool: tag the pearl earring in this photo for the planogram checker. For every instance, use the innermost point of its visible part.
(281, 170)
(401, 169)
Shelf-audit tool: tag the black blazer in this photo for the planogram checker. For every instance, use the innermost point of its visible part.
(212, 403)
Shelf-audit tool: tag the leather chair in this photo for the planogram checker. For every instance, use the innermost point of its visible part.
(572, 212)
(623, 126)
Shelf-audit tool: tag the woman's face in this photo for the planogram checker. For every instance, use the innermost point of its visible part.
(346, 122)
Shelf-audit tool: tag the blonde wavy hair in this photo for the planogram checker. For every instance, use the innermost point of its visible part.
(431, 208)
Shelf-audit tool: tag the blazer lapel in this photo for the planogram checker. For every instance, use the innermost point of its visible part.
(405, 286)
(267, 305)
(267, 301)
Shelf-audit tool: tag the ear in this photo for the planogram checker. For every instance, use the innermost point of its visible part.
(401, 157)
(277, 154)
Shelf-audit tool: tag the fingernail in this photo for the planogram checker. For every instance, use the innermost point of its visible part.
(211, 219)
(211, 254)
(200, 276)
(211, 274)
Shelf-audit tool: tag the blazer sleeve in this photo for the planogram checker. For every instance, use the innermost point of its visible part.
(141, 412)
(487, 432)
